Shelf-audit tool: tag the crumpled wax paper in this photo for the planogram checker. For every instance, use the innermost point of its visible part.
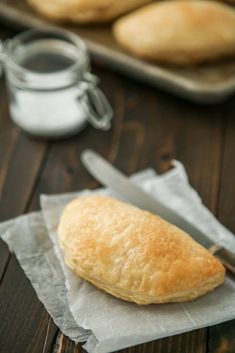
(83, 312)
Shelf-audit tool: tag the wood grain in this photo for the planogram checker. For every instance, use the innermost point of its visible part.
(222, 337)
(7, 140)
(226, 204)
(179, 343)
(20, 160)
(20, 172)
(23, 328)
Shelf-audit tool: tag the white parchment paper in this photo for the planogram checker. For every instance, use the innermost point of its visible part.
(85, 313)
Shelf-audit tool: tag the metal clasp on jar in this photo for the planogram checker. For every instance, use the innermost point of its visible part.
(93, 101)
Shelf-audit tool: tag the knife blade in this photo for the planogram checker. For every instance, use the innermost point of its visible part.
(111, 177)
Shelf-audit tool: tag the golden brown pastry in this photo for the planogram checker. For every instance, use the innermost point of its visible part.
(85, 11)
(133, 254)
(179, 32)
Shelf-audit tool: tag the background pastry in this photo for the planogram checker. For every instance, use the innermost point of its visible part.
(85, 11)
(133, 254)
(179, 32)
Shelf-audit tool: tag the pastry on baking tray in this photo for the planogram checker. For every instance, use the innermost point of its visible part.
(85, 11)
(179, 32)
(133, 254)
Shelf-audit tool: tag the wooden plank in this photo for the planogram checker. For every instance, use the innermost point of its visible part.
(20, 161)
(7, 141)
(18, 171)
(31, 324)
(222, 337)
(21, 174)
(226, 207)
(64, 345)
(178, 343)
(24, 316)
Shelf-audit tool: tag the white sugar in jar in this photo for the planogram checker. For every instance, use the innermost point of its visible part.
(52, 92)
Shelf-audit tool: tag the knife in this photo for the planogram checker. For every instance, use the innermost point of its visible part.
(111, 177)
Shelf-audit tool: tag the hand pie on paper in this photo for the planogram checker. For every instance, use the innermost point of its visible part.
(85, 11)
(179, 32)
(133, 254)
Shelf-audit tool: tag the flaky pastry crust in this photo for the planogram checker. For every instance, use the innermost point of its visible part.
(179, 32)
(84, 11)
(133, 254)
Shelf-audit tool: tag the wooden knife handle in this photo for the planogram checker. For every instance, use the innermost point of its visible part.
(225, 256)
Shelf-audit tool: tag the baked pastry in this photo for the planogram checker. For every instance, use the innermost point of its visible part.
(133, 254)
(179, 32)
(85, 11)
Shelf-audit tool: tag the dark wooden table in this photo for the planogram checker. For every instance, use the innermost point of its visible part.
(149, 129)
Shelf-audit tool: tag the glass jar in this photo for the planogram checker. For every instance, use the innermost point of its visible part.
(52, 92)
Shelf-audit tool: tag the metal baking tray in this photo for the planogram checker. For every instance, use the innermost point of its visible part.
(208, 83)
